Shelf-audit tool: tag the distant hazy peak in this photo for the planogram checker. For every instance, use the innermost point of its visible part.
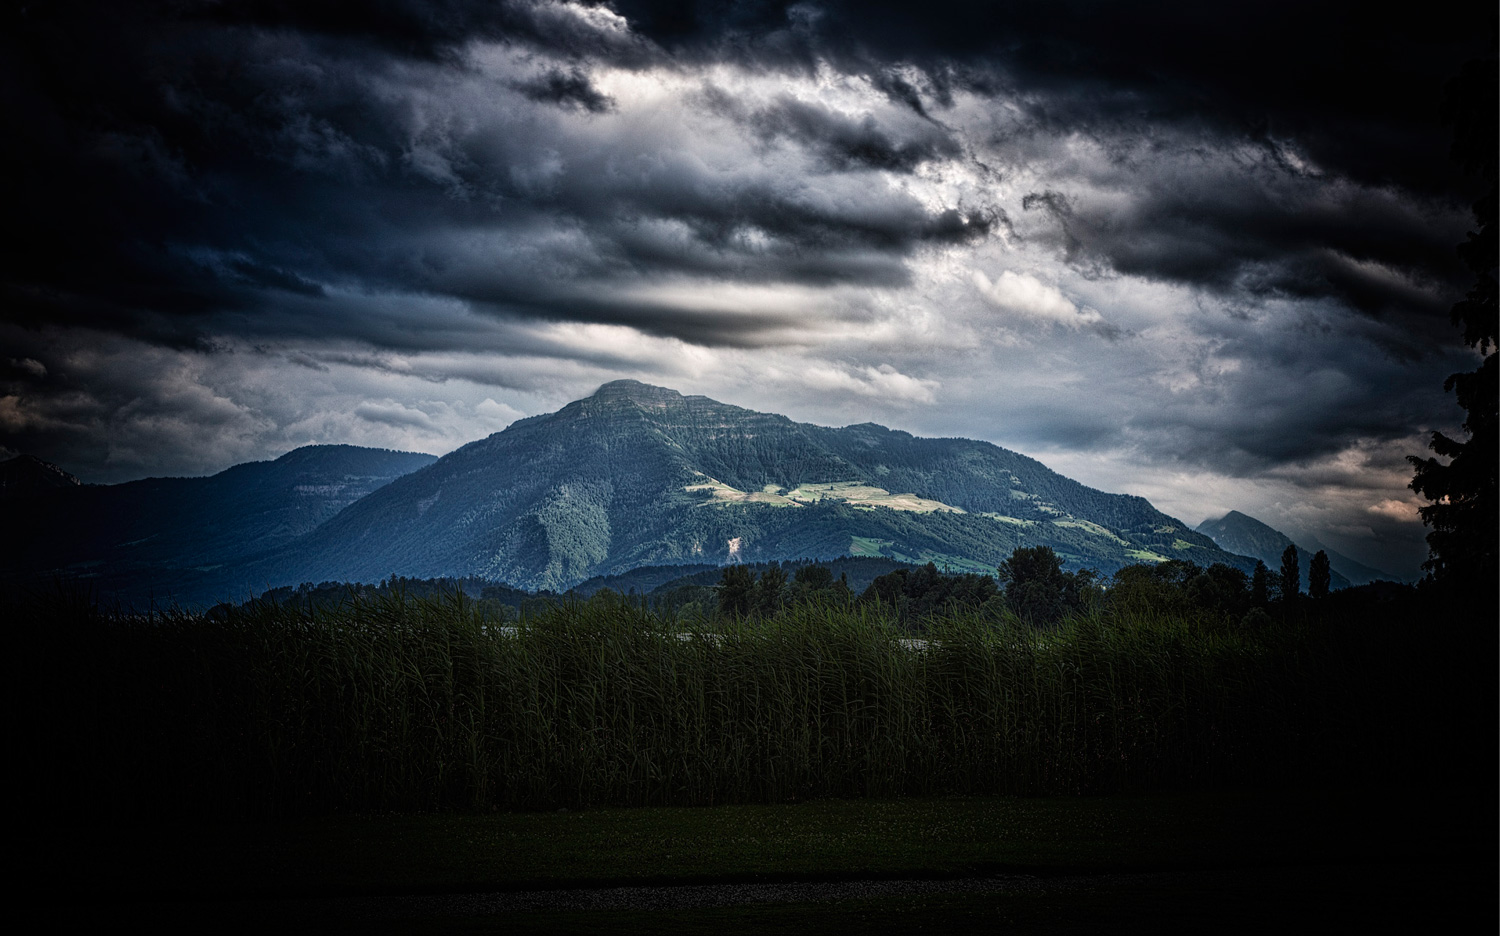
(1241, 533)
(1236, 523)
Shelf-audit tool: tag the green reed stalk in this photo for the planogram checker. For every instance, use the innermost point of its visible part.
(397, 703)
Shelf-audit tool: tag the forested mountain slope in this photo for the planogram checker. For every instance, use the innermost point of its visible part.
(640, 475)
(159, 535)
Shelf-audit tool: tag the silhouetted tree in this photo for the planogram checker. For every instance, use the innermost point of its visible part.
(813, 577)
(1180, 587)
(1148, 586)
(841, 587)
(1220, 589)
(1260, 585)
(1039, 591)
(888, 589)
(1319, 575)
(1462, 546)
(1033, 584)
(1289, 582)
(812, 581)
(770, 591)
(919, 593)
(1081, 590)
(736, 591)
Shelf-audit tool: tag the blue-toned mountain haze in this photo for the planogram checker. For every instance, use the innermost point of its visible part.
(1247, 536)
(174, 538)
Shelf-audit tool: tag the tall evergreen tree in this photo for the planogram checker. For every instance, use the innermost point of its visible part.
(1319, 575)
(813, 581)
(736, 591)
(1463, 543)
(1033, 579)
(1260, 585)
(813, 577)
(1036, 587)
(770, 590)
(1289, 582)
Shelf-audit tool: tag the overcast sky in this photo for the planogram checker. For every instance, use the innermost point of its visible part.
(1203, 255)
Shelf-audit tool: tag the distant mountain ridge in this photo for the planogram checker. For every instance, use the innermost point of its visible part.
(27, 474)
(1352, 569)
(170, 535)
(630, 477)
(637, 475)
(1241, 533)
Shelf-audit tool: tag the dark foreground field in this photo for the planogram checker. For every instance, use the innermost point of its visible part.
(1227, 861)
(410, 766)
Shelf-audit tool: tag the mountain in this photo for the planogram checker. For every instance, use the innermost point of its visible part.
(1241, 533)
(168, 534)
(27, 475)
(1352, 569)
(637, 475)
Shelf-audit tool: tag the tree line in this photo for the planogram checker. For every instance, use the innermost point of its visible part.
(1033, 586)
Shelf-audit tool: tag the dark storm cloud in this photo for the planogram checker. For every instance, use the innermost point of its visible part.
(710, 250)
(219, 156)
(272, 278)
(848, 143)
(163, 125)
(1371, 249)
(568, 89)
(1290, 421)
(392, 415)
(900, 90)
(1360, 87)
(1354, 92)
(1290, 395)
(424, 29)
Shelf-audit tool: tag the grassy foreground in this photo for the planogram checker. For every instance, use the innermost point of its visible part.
(820, 840)
(282, 768)
(421, 706)
(1223, 857)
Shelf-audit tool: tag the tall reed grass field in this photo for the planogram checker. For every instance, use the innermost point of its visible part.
(403, 704)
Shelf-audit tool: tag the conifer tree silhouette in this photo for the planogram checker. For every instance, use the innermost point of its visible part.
(1289, 582)
(1319, 575)
(1463, 543)
(1260, 585)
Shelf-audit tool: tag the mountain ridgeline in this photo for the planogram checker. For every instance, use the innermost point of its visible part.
(638, 475)
(633, 476)
(28, 476)
(1248, 536)
(183, 538)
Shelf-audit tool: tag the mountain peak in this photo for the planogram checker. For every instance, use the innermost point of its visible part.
(1242, 533)
(635, 392)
